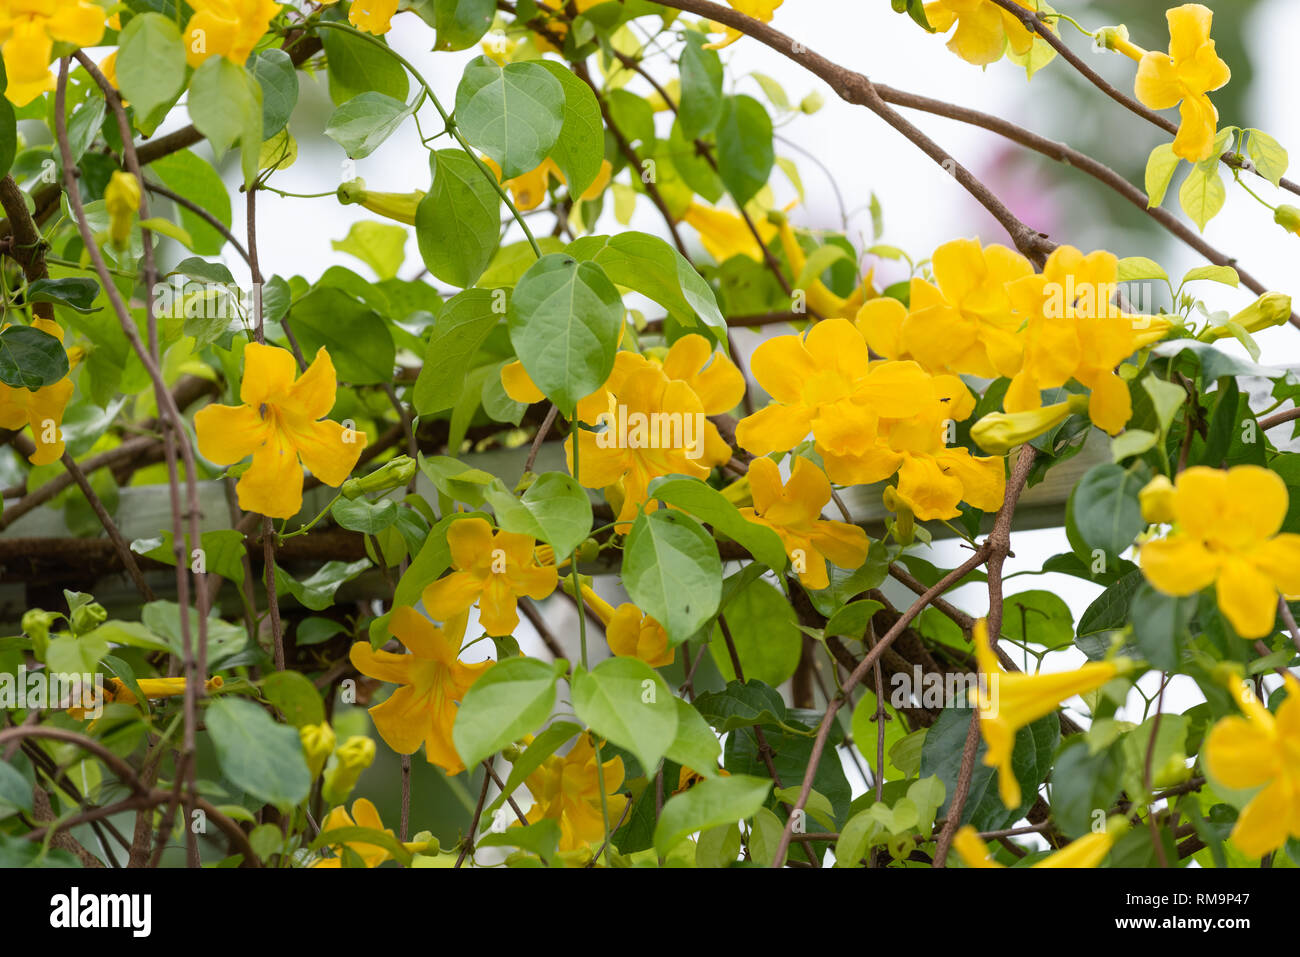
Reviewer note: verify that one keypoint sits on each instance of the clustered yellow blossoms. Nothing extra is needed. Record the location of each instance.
(1225, 533)
(1008, 702)
(1261, 750)
(41, 408)
(1182, 77)
(280, 421)
(567, 789)
(433, 681)
(28, 31)
(228, 28)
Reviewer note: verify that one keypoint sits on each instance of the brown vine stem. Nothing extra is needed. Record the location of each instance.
(998, 545)
(855, 88)
(1035, 24)
(863, 668)
(1278, 418)
(1285, 611)
(149, 358)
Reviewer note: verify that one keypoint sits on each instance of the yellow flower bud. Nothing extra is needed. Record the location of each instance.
(1288, 217)
(397, 206)
(352, 757)
(318, 742)
(1157, 500)
(122, 200)
(811, 103)
(999, 432)
(393, 474)
(1270, 309)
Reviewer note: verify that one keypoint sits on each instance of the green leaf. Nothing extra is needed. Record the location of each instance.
(1160, 170)
(1082, 783)
(713, 802)
(363, 123)
(457, 224)
(359, 515)
(30, 358)
(564, 320)
(742, 705)
(514, 113)
(1224, 274)
(461, 23)
(745, 154)
(512, 699)
(1160, 625)
(317, 591)
(555, 509)
(672, 571)
(1268, 155)
(357, 339)
(627, 702)
(1202, 195)
(542, 838)
(84, 124)
(357, 65)
(188, 175)
(263, 758)
(851, 620)
(700, 108)
(580, 147)
(15, 790)
(459, 331)
(1107, 512)
(1038, 617)
(163, 618)
(695, 745)
(295, 696)
(275, 74)
(225, 103)
(1135, 268)
(381, 246)
(150, 62)
(8, 130)
(1166, 399)
(765, 632)
(1109, 610)
(709, 505)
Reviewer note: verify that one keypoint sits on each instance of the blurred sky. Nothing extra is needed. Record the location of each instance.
(923, 206)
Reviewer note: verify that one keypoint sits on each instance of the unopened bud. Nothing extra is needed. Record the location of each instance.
(1157, 501)
(393, 474)
(999, 432)
(318, 742)
(352, 757)
(1288, 217)
(811, 103)
(397, 206)
(122, 201)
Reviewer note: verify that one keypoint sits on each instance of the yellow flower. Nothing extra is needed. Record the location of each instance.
(1226, 534)
(1073, 331)
(1157, 501)
(351, 758)
(567, 789)
(1186, 73)
(122, 201)
(983, 28)
(373, 16)
(821, 383)
(42, 408)
(964, 322)
(630, 632)
(725, 234)
(1000, 432)
(318, 742)
(433, 681)
(364, 814)
(528, 190)
(1261, 750)
(493, 569)
(1009, 702)
(116, 691)
(793, 511)
(758, 9)
(654, 418)
(280, 421)
(1086, 851)
(28, 31)
(228, 28)
(820, 299)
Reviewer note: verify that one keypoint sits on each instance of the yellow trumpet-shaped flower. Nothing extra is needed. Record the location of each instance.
(825, 383)
(318, 741)
(654, 419)
(1000, 432)
(793, 511)
(228, 28)
(630, 632)
(1010, 701)
(350, 758)
(1261, 750)
(1157, 501)
(41, 408)
(984, 29)
(116, 691)
(281, 421)
(758, 9)
(567, 789)
(1226, 533)
(1074, 331)
(1184, 75)
(492, 569)
(821, 300)
(28, 31)
(364, 814)
(373, 16)
(725, 234)
(1087, 851)
(433, 681)
(527, 190)
(122, 201)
